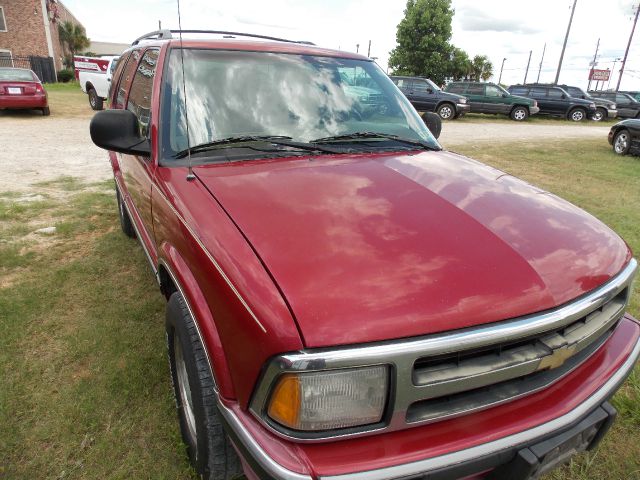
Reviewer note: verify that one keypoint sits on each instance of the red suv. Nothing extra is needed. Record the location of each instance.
(346, 300)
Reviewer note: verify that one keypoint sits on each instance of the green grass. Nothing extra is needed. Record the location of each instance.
(85, 385)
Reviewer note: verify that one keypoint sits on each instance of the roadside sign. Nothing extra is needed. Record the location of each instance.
(599, 75)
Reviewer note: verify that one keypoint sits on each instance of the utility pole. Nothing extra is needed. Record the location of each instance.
(159, 24)
(593, 64)
(564, 45)
(527, 70)
(357, 47)
(500, 79)
(369, 50)
(613, 70)
(541, 60)
(624, 60)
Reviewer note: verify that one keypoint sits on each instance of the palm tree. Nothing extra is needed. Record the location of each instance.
(481, 68)
(74, 37)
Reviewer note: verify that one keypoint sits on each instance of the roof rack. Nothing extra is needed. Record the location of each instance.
(167, 35)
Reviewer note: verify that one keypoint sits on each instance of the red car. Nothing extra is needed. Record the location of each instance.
(346, 300)
(21, 89)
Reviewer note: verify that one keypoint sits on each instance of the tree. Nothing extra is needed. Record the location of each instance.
(460, 65)
(422, 38)
(75, 39)
(481, 68)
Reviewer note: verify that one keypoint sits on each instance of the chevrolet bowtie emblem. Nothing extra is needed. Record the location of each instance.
(557, 358)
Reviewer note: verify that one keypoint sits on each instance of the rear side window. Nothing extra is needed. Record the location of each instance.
(141, 89)
(538, 92)
(519, 90)
(555, 93)
(127, 77)
(475, 90)
(402, 82)
(456, 88)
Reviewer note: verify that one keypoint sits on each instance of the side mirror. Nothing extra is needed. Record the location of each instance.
(433, 123)
(430, 90)
(118, 130)
(504, 95)
(564, 96)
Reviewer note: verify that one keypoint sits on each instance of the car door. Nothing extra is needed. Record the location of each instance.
(423, 95)
(625, 107)
(138, 171)
(540, 94)
(495, 101)
(557, 101)
(475, 97)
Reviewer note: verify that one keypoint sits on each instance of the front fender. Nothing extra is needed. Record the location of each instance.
(179, 273)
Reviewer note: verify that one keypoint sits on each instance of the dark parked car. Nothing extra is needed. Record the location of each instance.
(425, 95)
(556, 101)
(21, 89)
(491, 98)
(625, 137)
(605, 108)
(628, 107)
(346, 300)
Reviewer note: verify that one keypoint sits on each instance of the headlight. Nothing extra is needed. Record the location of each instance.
(326, 400)
(613, 106)
(592, 105)
(462, 100)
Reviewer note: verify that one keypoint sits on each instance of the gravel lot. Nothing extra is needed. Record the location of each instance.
(40, 148)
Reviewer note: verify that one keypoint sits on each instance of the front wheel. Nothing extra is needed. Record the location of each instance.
(577, 114)
(622, 142)
(600, 115)
(94, 100)
(519, 114)
(210, 450)
(446, 111)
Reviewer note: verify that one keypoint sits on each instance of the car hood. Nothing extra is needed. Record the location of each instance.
(450, 96)
(366, 248)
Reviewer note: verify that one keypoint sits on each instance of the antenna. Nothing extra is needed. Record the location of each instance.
(190, 175)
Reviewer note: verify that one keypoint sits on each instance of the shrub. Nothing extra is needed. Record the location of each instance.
(66, 75)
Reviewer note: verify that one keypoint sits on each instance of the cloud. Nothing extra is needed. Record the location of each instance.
(475, 20)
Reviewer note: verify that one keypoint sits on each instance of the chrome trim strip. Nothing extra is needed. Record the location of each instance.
(212, 260)
(403, 354)
(424, 466)
(135, 227)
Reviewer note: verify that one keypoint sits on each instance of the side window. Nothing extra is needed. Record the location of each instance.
(475, 89)
(555, 93)
(538, 92)
(519, 90)
(117, 73)
(420, 86)
(621, 98)
(127, 77)
(493, 91)
(456, 88)
(140, 96)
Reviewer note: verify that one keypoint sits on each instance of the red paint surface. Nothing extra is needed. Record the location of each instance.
(32, 95)
(366, 453)
(374, 247)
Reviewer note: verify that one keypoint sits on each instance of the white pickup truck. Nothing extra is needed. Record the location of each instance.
(94, 75)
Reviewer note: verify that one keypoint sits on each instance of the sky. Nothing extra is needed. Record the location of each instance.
(496, 28)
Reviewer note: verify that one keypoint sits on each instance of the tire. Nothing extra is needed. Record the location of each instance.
(577, 114)
(125, 221)
(601, 114)
(46, 112)
(433, 123)
(622, 142)
(95, 101)
(210, 450)
(519, 114)
(446, 111)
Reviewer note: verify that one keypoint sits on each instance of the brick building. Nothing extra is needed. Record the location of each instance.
(30, 28)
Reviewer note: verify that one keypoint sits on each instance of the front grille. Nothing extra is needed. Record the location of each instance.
(469, 380)
(454, 373)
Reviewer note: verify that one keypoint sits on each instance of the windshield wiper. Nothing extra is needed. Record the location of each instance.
(373, 135)
(272, 139)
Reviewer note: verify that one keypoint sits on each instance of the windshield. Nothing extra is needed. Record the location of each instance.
(16, 75)
(302, 97)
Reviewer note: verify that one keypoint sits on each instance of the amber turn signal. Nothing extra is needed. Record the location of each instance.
(284, 407)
